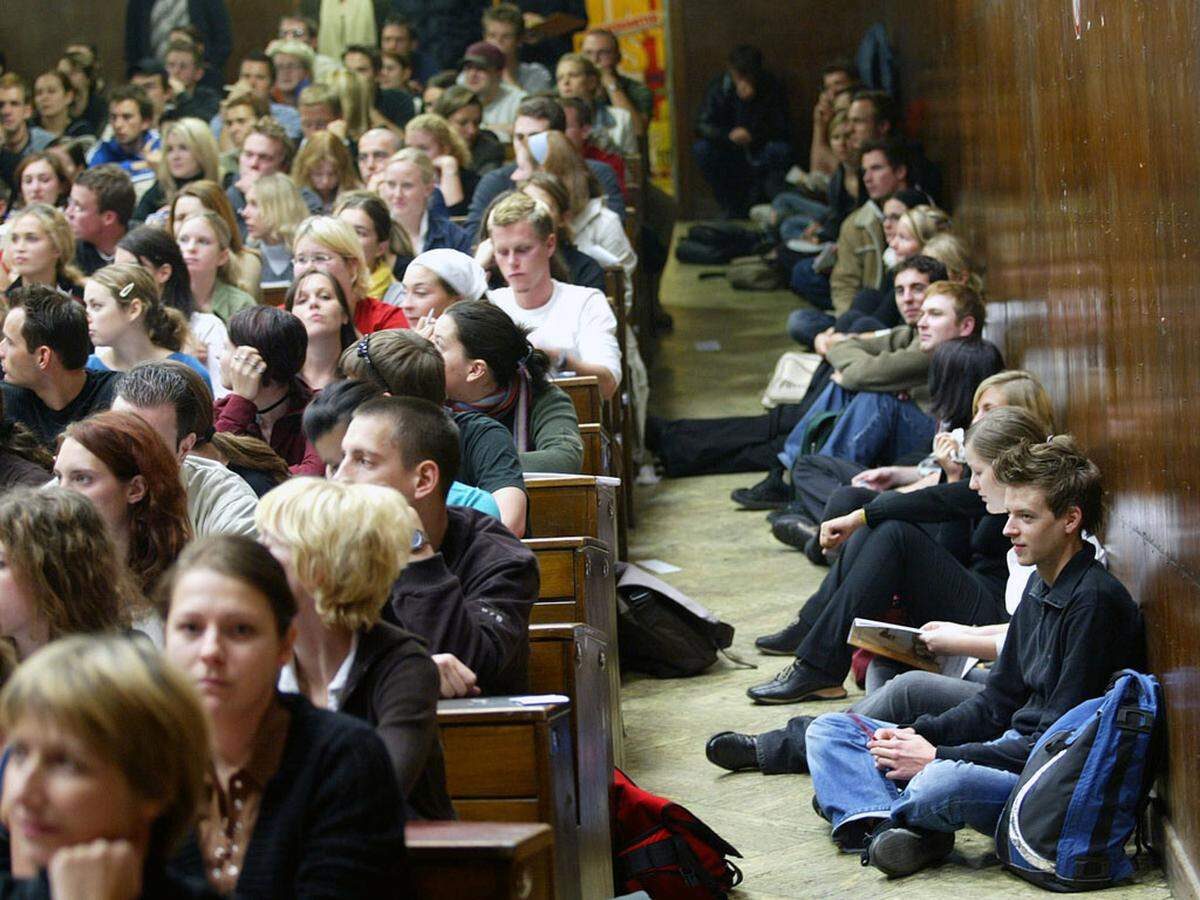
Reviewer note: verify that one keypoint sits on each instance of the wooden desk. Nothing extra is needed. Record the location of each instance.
(508, 762)
(274, 293)
(481, 860)
(572, 506)
(574, 660)
(584, 391)
(597, 449)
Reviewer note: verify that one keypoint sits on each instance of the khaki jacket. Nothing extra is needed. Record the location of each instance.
(859, 265)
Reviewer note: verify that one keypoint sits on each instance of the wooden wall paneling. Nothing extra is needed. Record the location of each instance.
(1075, 180)
(1071, 164)
(797, 39)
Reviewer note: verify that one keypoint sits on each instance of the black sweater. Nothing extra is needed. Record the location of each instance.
(954, 506)
(1063, 644)
(473, 598)
(765, 115)
(331, 823)
(393, 685)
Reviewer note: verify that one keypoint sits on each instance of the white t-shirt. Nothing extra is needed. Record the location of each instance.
(575, 318)
(501, 113)
(210, 331)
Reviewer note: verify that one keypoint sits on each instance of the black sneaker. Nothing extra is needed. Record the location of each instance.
(816, 556)
(855, 836)
(783, 642)
(897, 851)
(796, 683)
(794, 508)
(794, 531)
(770, 493)
(733, 751)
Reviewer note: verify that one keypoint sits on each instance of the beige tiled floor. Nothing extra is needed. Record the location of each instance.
(731, 564)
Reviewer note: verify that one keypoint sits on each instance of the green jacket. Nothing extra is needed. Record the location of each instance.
(859, 265)
(227, 300)
(889, 363)
(554, 431)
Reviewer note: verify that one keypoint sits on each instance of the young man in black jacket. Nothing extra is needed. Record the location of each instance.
(469, 586)
(743, 144)
(910, 788)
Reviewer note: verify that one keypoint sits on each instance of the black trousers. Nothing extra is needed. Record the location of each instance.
(876, 564)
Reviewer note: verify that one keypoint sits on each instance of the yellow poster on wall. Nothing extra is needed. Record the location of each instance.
(639, 27)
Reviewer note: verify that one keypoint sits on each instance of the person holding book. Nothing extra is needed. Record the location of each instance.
(957, 572)
(899, 793)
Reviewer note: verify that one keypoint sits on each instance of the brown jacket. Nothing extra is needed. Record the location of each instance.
(859, 265)
(889, 363)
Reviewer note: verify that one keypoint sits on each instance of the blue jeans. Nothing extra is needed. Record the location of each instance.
(834, 398)
(879, 428)
(795, 212)
(944, 796)
(812, 286)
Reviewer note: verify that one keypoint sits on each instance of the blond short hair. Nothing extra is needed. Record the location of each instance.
(339, 238)
(348, 543)
(123, 700)
(281, 205)
(518, 207)
(58, 230)
(441, 131)
(418, 158)
(199, 139)
(1021, 389)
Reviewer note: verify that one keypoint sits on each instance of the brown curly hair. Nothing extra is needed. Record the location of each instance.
(56, 543)
(159, 527)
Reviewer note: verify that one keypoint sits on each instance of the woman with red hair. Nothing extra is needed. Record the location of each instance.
(121, 464)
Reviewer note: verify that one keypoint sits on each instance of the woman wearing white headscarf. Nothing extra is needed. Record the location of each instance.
(434, 280)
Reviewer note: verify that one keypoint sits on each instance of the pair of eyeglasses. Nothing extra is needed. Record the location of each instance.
(299, 33)
(316, 259)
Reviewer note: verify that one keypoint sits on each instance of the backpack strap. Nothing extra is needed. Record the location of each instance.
(665, 854)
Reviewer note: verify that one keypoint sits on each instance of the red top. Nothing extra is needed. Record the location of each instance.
(372, 315)
(236, 415)
(615, 160)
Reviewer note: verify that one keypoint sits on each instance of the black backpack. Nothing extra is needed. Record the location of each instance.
(663, 632)
(715, 243)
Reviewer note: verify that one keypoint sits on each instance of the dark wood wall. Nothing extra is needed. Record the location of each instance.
(1073, 161)
(102, 23)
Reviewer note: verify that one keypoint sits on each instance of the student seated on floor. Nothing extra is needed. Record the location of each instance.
(751, 443)
(888, 789)
(470, 584)
(341, 545)
(881, 380)
(816, 501)
(956, 370)
(957, 575)
(782, 750)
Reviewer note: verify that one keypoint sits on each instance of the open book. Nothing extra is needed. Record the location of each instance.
(900, 642)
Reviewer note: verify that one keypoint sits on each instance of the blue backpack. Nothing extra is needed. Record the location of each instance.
(1084, 789)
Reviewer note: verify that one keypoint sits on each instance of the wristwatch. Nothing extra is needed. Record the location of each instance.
(418, 540)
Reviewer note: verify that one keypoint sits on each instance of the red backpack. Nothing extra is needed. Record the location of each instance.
(661, 848)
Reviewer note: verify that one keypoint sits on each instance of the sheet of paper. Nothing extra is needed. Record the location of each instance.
(539, 699)
(657, 566)
(708, 346)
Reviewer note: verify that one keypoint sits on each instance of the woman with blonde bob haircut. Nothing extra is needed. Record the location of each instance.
(324, 166)
(330, 245)
(450, 156)
(189, 154)
(952, 252)
(131, 731)
(41, 250)
(407, 187)
(274, 210)
(342, 547)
